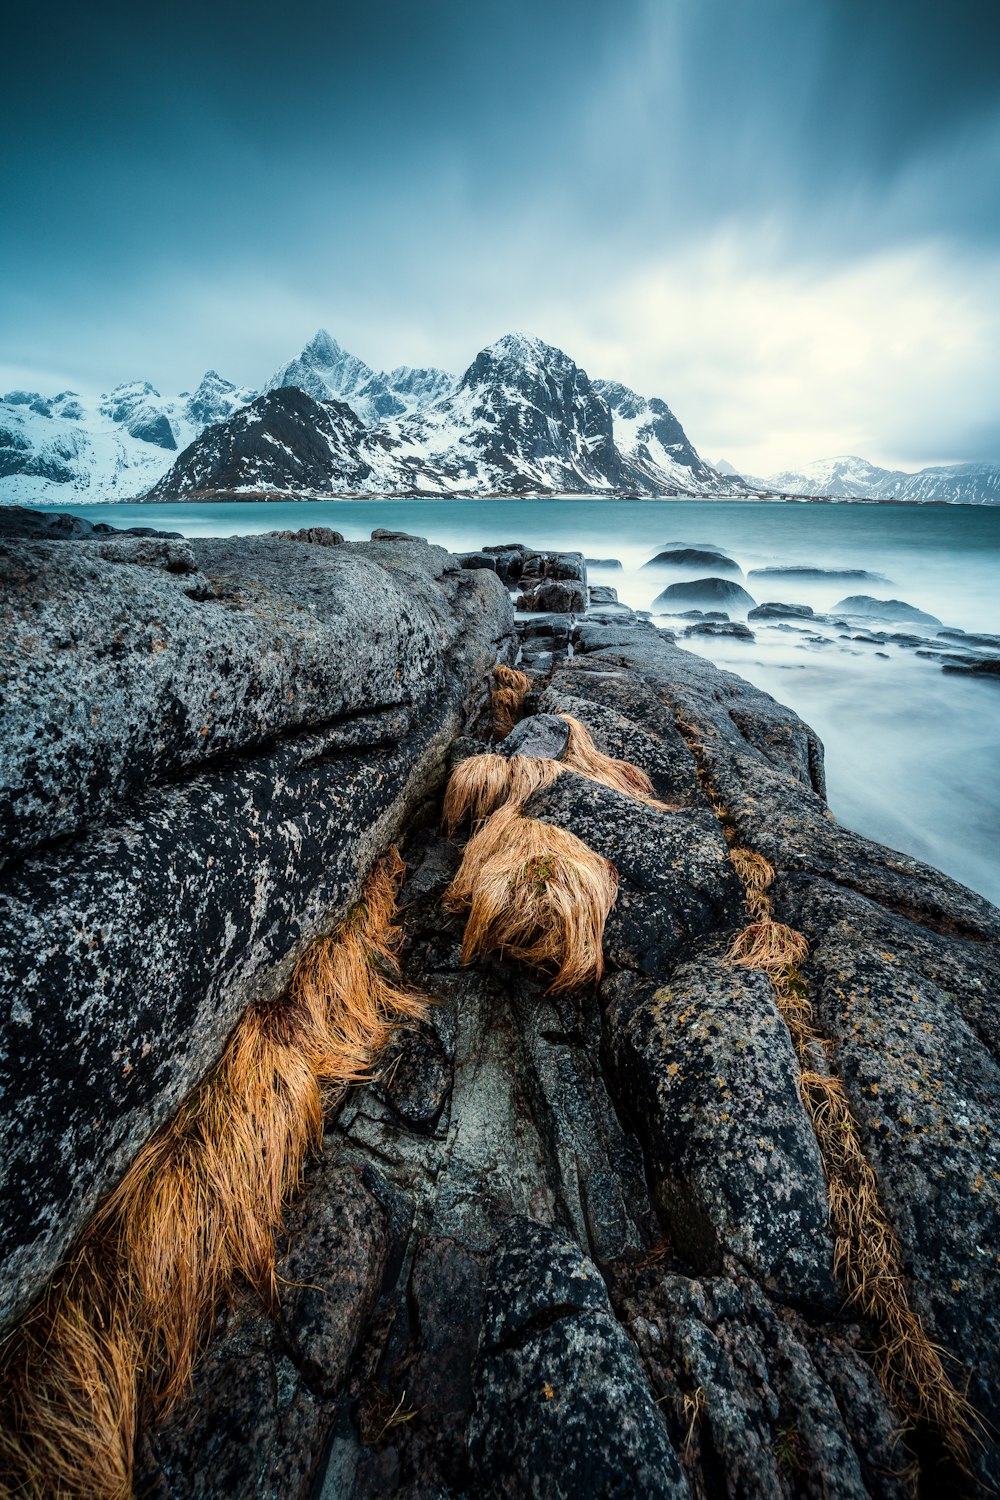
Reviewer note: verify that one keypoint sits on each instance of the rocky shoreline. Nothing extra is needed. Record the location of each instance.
(583, 1244)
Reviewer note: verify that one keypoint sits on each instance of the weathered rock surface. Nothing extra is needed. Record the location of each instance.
(198, 769)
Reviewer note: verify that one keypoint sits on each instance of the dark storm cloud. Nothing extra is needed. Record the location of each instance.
(194, 185)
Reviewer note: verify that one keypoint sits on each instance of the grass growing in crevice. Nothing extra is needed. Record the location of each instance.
(534, 892)
(482, 784)
(510, 688)
(199, 1207)
(537, 894)
(866, 1252)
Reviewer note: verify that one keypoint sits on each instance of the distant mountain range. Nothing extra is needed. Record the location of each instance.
(523, 419)
(851, 478)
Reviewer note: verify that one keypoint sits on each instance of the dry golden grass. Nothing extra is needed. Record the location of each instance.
(582, 755)
(68, 1412)
(768, 945)
(200, 1205)
(480, 785)
(510, 689)
(538, 895)
(867, 1255)
(756, 875)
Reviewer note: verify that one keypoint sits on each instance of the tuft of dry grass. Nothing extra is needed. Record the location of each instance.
(768, 945)
(67, 1422)
(480, 785)
(867, 1254)
(582, 755)
(510, 689)
(537, 894)
(200, 1205)
(756, 876)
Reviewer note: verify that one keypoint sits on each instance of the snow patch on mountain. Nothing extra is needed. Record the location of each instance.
(327, 372)
(62, 447)
(655, 445)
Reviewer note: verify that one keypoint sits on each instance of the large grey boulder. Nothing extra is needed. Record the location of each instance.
(198, 770)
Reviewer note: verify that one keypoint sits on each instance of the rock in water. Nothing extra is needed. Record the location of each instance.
(710, 591)
(868, 608)
(695, 557)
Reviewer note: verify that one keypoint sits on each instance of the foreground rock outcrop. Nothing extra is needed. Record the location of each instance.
(205, 747)
(562, 1244)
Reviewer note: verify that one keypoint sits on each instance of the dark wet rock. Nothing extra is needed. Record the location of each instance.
(707, 1062)
(537, 662)
(380, 534)
(566, 566)
(476, 560)
(574, 1244)
(216, 776)
(415, 1077)
(792, 574)
(734, 628)
(602, 593)
(673, 885)
(763, 1404)
(884, 609)
(695, 557)
(914, 1035)
(988, 642)
(251, 1426)
(772, 611)
(702, 614)
(983, 666)
(539, 736)
(332, 1273)
(710, 591)
(602, 562)
(562, 1406)
(555, 596)
(316, 536)
(18, 523)
(609, 614)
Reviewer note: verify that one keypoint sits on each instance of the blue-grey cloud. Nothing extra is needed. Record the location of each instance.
(201, 185)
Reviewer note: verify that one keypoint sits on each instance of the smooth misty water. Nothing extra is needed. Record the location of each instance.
(912, 752)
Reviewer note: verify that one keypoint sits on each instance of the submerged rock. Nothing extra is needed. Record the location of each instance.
(773, 611)
(883, 609)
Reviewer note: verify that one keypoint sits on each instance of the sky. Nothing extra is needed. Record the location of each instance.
(781, 216)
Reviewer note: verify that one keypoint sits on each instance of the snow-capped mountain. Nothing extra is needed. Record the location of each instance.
(62, 447)
(284, 442)
(327, 372)
(852, 478)
(524, 419)
(653, 442)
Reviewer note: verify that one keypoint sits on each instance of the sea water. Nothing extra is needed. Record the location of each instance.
(911, 751)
